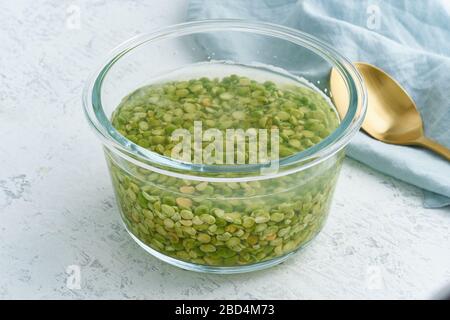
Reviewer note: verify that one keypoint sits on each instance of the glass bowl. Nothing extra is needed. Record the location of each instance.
(234, 218)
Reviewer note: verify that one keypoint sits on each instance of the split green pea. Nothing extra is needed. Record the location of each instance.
(224, 223)
(151, 114)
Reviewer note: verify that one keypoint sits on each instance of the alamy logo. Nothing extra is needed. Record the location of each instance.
(73, 281)
(236, 146)
(374, 17)
(374, 278)
(73, 18)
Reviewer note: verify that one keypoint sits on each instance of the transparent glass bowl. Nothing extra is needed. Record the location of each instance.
(234, 218)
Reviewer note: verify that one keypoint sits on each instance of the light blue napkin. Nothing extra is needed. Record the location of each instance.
(408, 39)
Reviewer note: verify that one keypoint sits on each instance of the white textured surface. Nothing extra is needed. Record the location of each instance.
(57, 207)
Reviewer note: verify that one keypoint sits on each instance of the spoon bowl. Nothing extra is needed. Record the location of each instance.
(392, 116)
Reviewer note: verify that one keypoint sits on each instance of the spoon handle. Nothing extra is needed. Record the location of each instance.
(434, 146)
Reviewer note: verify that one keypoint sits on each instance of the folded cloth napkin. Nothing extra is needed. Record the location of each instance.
(408, 39)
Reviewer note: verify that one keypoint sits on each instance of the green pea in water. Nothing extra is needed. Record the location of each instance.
(224, 223)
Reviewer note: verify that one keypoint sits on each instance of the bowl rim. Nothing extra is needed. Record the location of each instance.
(148, 159)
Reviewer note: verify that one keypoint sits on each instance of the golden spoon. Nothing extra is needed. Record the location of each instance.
(392, 116)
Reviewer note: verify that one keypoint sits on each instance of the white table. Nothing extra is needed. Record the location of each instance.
(57, 208)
